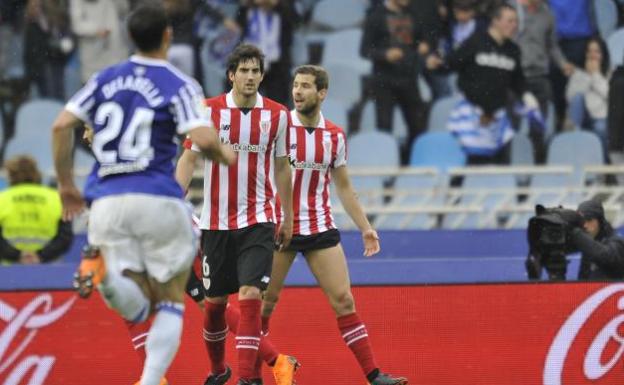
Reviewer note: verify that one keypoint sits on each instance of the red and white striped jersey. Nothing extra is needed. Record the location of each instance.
(313, 152)
(243, 194)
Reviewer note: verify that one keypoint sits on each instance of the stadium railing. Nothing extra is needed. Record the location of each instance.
(495, 207)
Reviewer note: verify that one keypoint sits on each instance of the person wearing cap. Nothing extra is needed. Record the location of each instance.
(601, 247)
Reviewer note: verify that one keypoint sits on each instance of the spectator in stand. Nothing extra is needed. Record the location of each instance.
(489, 69)
(181, 52)
(11, 21)
(588, 90)
(48, 43)
(538, 43)
(391, 41)
(575, 26)
(31, 228)
(429, 19)
(269, 25)
(464, 23)
(486, 8)
(216, 36)
(101, 40)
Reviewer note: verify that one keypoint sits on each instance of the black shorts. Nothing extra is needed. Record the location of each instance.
(324, 240)
(236, 258)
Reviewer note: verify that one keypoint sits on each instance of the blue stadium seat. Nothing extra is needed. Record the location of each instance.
(83, 163)
(615, 43)
(485, 191)
(368, 120)
(336, 111)
(345, 84)
(368, 117)
(343, 47)
(360, 147)
(439, 149)
(383, 146)
(33, 134)
(333, 15)
(413, 190)
(299, 50)
(577, 148)
(522, 151)
(606, 17)
(440, 112)
(72, 79)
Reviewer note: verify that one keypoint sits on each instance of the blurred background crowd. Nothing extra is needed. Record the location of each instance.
(423, 83)
(50, 47)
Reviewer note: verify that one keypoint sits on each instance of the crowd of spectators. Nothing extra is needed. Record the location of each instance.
(531, 53)
(527, 55)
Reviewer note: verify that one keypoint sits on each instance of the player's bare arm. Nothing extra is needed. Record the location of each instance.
(351, 204)
(207, 140)
(62, 147)
(186, 167)
(283, 180)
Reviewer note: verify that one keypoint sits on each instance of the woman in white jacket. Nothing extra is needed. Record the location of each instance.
(588, 90)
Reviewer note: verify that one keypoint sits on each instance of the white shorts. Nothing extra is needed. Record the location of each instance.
(144, 233)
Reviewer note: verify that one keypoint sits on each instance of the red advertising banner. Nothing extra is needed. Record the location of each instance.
(550, 334)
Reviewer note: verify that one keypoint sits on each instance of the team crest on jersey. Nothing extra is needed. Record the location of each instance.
(265, 127)
(225, 127)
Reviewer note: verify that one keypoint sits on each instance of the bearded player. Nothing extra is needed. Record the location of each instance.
(318, 154)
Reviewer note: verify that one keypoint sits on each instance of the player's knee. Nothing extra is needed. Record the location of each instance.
(249, 292)
(343, 303)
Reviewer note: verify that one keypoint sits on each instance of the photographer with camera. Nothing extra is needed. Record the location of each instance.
(601, 247)
(554, 233)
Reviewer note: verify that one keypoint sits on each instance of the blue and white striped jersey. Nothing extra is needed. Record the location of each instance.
(136, 109)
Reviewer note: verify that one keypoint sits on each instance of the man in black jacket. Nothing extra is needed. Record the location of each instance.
(391, 40)
(602, 249)
(490, 76)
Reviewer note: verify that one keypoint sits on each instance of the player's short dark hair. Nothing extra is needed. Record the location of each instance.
(242, 53)
(498, 11)
(321, 77)
(146, 25)
(22, 169)
(465, 5)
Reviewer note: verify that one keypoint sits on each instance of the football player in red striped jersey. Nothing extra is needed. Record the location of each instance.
(318, 155)
(238, 217)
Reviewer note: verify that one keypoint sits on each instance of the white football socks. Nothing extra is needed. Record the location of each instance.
(162, 342)
(125, 296)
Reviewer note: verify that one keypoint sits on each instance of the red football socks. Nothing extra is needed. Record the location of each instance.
(354, 334)
(215, 331)
(248, 337)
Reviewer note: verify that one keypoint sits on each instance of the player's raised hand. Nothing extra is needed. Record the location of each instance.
(371, 242)
(72, 200)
